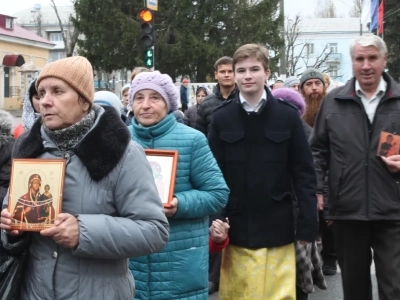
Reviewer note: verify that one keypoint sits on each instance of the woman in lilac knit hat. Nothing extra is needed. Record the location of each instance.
(296, 100)
(180, 269)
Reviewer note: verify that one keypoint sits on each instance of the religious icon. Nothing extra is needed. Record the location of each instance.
(32, 205)
(389, 144)
(163, 164)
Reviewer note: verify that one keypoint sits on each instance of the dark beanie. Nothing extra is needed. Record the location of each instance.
(311, 74)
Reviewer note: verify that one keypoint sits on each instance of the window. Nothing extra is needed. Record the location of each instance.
(55, 37)
(310, 48)
(333, 70)
(55, 55)
(9, 23)
(333, 48)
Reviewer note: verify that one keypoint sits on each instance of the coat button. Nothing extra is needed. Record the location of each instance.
(54, 255)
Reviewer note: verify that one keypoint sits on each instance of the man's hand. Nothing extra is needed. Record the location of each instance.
(6, 222)
(65, 232)
(219, 230)
(392, 162)
(320, 202)
(171, 210)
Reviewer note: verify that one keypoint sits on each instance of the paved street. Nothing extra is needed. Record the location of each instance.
(334, 291)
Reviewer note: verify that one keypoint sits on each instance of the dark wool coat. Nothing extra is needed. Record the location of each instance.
(345, 143)
(264, 156)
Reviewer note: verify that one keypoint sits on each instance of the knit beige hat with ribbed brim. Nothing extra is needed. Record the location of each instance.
(76, 71)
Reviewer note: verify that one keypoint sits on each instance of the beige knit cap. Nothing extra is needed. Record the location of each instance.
(76, 71)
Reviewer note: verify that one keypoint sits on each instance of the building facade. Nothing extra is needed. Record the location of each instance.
(22, 54)
(43, 21)
(324, 43)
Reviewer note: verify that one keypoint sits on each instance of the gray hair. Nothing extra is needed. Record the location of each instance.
(370, 40)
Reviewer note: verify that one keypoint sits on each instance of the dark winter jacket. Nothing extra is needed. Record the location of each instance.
(184, 96)
(207, 107)
(6, 145)
(360, 186)
(264, 156)
(128, 116)
(191, 115)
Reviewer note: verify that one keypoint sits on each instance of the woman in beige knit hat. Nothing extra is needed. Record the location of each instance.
(111, 209)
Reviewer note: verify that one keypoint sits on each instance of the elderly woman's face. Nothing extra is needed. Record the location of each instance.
(149, 107)
(60, 106)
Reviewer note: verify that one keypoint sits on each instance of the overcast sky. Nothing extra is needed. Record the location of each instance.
(292, 7)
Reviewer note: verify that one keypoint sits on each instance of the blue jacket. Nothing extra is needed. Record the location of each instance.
(180, 270)
(184, 94)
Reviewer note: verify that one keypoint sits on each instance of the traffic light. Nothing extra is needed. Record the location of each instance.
(149, 58)
(146, 16)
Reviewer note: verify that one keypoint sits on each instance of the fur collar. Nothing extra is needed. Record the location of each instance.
(100, 150)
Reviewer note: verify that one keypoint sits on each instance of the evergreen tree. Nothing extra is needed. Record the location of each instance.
(190, 35)
(111, 33)
(392, 36)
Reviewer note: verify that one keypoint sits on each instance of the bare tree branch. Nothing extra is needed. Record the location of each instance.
(355, 11)
(291, 35)
(72, 37)
(61, 25)
(327, 9)
(38, 20)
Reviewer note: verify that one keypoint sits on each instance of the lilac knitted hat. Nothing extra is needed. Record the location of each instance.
(161, 83)
(291, 96)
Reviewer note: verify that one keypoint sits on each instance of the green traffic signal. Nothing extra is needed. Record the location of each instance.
(149, 58)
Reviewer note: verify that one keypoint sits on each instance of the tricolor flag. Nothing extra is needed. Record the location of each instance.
(366, 13)
(374, 14)
(381, 12)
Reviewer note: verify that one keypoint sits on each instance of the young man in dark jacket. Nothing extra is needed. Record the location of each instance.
(363, 193)
(261, 148)
(224, 90)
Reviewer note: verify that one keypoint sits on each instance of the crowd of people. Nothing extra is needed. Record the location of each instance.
(264, 175)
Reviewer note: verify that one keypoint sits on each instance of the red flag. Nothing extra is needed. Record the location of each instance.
(381, 11)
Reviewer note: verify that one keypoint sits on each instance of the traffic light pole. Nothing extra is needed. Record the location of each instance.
(154, 59)
(148, 37)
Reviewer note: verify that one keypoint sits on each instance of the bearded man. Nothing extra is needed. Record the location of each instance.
(313, 89)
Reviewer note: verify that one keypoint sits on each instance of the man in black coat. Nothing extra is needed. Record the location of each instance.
(363, 192)
(261, 148)
(223, 91)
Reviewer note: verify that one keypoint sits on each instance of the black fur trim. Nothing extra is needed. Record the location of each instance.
(29, 144)
(100, 150)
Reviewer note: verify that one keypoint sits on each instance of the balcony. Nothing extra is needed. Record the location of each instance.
(334, 57)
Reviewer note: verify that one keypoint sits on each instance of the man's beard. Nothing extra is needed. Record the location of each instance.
(313, 104)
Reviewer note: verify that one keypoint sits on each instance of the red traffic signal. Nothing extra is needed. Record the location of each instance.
(147, 35)
(146, 15)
